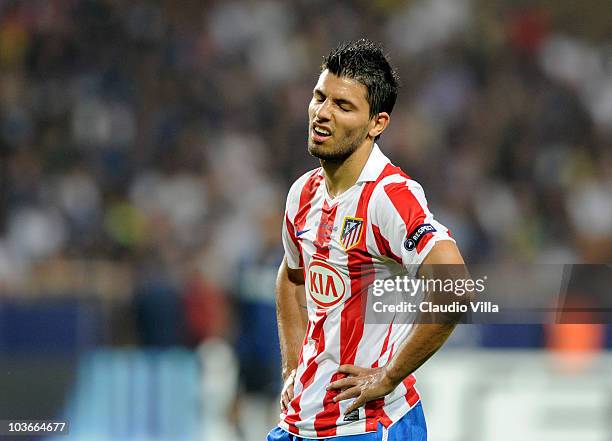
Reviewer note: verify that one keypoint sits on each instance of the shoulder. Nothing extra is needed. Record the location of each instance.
(394, 187)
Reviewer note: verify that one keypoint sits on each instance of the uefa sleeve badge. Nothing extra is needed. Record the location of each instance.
(418, 233)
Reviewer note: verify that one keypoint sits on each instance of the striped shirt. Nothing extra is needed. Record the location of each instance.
(379, 228)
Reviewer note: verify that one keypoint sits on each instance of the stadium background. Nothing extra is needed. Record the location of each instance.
(145, 151)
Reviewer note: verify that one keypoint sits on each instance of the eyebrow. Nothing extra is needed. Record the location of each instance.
(339, 101)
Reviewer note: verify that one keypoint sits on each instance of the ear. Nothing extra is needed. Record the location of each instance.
(378, 124)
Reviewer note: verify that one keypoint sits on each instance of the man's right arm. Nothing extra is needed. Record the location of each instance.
(292, 318)
(291, 315)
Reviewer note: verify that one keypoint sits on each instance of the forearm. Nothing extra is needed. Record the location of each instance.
(291, 319)
(423, 341)
(430, 331)
(291, 329)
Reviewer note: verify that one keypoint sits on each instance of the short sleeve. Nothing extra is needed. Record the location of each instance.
(290, 244)
(405, 227)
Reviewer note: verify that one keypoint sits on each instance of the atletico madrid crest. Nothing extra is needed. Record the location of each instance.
(352, 228)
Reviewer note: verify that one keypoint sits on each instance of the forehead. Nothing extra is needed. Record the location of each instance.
(342, 87)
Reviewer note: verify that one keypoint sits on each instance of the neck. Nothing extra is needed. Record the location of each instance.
(342, 175)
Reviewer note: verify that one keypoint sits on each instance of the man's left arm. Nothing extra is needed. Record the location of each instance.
(366, 384)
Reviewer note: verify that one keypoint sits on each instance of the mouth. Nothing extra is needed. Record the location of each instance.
(319, 133)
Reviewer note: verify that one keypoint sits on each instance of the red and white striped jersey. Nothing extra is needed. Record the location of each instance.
(379, 228)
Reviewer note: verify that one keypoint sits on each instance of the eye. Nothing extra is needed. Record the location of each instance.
(345, 108)
(318, 96)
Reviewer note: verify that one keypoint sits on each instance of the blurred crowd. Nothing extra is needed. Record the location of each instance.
(163, 136)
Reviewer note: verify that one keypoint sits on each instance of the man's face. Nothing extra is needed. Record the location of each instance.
(338, 116)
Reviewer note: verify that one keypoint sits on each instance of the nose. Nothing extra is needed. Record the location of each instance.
(323, 111)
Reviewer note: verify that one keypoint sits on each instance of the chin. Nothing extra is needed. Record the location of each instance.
(315, 150)
(327, 154)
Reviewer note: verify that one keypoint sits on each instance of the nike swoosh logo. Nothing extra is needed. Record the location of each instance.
(299, 233)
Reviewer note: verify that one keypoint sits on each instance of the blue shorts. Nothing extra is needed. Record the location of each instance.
(411, 427)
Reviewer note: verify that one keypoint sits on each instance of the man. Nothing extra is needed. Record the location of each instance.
(355, 219)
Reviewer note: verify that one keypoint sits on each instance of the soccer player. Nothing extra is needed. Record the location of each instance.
(355, 219)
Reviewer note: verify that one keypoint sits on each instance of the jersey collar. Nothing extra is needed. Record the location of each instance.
(374, 165)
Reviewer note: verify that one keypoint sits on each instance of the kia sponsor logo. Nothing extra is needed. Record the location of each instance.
(325, 284)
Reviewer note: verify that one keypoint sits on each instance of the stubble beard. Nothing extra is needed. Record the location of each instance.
(337, 153)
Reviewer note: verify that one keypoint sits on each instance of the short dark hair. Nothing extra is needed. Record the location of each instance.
(365, 61)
